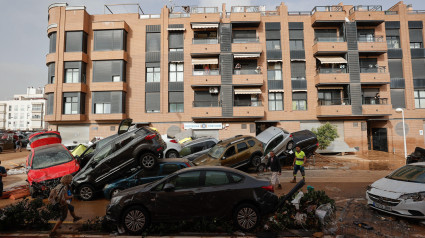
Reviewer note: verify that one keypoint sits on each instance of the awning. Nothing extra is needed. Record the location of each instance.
(274, 60)
(299, 90)
(247, 91)
(203, 25)
(276, 91)
(322, 88)
(332, 60)
(298, 60)
(201, 61)
(176, 29)
(176, 61)
(253, 55)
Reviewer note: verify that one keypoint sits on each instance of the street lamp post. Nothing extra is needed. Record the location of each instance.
(398, 110)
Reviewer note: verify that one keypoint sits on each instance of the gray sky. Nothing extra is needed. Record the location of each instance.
(24, 44)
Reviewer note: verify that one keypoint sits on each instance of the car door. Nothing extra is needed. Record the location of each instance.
(273, 145)
(120, 161)
(229, 157)
(181, 203)
(243, 154)
(147, 176)
(101, 165)
(124, 126)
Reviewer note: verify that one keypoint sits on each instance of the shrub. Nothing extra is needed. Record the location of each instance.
(325, 133)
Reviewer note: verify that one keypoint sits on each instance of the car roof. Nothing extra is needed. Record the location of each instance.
(418, 163)
(269, 133)
(234, 139)
(202, 139)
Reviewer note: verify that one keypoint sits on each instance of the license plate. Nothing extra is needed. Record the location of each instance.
(383, 207)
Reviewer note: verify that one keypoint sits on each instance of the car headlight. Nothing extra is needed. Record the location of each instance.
(115, 200)
(417, 197)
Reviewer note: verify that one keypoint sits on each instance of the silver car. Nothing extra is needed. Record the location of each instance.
(274, 139)
(173, 147)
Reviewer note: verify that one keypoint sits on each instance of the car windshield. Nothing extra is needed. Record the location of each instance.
(50, 156)
(409, 173)
(216, 152)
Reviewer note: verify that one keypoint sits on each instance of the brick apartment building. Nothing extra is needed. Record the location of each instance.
(237, 72)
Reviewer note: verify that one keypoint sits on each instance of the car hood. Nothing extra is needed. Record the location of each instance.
(192, 157)
(39, 175)
(206, 160)
(394, 189)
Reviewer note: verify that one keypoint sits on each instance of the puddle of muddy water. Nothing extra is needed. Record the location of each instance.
(378, 160)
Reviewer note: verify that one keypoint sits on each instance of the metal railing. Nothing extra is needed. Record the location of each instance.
(206, 104)
(323, 70)
(416, 12)
(204, 41)
(374, 101)
(245, 9)
(204, 10)
(200, 72)
(179, 15)
(370, 39)
(246, 40)
(270, 13)
(331, 102)
(334, 8)
(299, 13)
(374, 69)
(365, 8)
(391, 12)
(246, 71)
(329, 39)
(240, 103)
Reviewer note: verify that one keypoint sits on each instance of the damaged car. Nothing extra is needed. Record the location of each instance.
(191, 193)
(401, 193)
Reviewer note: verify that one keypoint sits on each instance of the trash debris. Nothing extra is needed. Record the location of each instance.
(296, 201)
(362, 225)
(300, 218)
(318, 234)
(324, 212)
(16, 171)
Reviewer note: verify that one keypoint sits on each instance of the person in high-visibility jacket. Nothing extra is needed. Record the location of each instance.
(298, 164)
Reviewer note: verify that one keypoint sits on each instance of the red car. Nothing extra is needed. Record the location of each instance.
(48, 161)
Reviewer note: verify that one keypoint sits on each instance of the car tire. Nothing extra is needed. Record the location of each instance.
(148, 160)
(172, 154)
(115, 191)
(246, 217)
(290, 145)
(135, 220)
(255, 161)
(86, 192)
(261, 168)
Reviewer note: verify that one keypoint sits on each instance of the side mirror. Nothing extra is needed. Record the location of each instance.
(169, 187)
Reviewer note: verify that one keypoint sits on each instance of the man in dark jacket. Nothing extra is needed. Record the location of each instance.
(273, 164)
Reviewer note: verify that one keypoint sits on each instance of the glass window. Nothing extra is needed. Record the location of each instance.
(273, 44)
(51, 73)
(299, 101)
(153, 74)
(152, 102)
(176, 107)
(170, 168)
(76, 41)
(215, 178)
(52, 42)
(109, 71)
(274, 71)
(251, 143)
(148, 173)
(236, 178)
(102, 108)
(186, 180)
(103, 153)
(273, 144)
(415, 45)
(410, 173)
(393, 42)
(242, 146)
(419, 98)
(109, 40)
(70, 105)
(176, 72)
(230, 151)
(72, 75)
(153, 42)
(296, 44)
(275, 101)
(50, 156)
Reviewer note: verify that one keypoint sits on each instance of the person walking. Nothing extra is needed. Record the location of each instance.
(63, 197)
(298, 163)
(238, 68)
(3, 173)
(274, 164)
(18, 144)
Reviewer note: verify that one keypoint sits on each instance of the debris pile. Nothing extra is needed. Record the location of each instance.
(16, 192)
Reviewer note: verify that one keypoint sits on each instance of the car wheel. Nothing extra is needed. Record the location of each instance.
(261, 168)
(86, 192)
(256, 161)
(148, 161)
(246, 217)
(135, 220)
(290, 145)
(172, 154)
(115, 192)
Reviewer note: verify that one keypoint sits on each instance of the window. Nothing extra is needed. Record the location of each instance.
(102, 108)
(415, 45)
(243, 36)
(398, 98)
(299, 101)
(251, 143)
(51, 73)
(103, 153)
(52, 42)
(393, 42)
(153, 74)
(229, 152)
(366, 35)
(186, 180)
(176, 72)
(276, 141)
(205, 99)
(329, 97)
(169, 168)
(153, 42)
(419, 98)
(275, 101)
(76, 41)
(70, 104)
(153, 102)
(109, 40)
(215, 178)
(175, 41)
(236, 178)
(108, 102)
(176, 107)
(10, 107)
(274, 71)
(205, 37)
(242, 146)
(109, 71)
(296, 44)
(368, 65)
(49, 103)
(71, 75)
(273, 44)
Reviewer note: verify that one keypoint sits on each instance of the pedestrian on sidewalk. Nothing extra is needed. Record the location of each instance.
(62, 193)
(3, 173)
(273, 164)
(18, 144)
(298, 163)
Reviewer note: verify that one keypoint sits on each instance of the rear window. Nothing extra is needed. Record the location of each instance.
(51, 156)
(170, 168)
(409, 173)
(251, 143)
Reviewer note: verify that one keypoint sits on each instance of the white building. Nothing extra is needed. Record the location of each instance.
(25, 112)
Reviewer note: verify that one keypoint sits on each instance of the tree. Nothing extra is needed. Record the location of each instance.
(325, 133)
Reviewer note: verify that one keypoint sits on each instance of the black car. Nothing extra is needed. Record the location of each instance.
(137, 147)
(198, 147)
(207, 191)
(306, 140)
(417, 156)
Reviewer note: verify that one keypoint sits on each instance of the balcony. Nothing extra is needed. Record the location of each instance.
(74, 87)
(249, 111)
(205, 46)
(73, 117)
(108, 117)
(244, 45)
(246, 72)
(109, 55)
(240, 14)
(329, 44)
(337, 107)
(327, 14)
(371, 14)
(206, 109)
(204, 14)
(75, 56)
(374, 75)
(199, 41)
(371, 107)
(252, 79)
(108, 86)
(333, 77)
(375, 44)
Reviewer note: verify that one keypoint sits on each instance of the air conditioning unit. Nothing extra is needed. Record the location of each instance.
(213, 90)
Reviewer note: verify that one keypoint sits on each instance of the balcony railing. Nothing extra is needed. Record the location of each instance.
(246, 71)
(238, 103)
(331, 102)
(245, 9)
(329, 39)
(299, 13)
(365, 8)
(379, 69)
(198, 72)
(204, 41)
(270, 13)
(323, 70)
(416, 12)
(391, 12)
(206, 104)
(246, 40)
(373, 101)
(327, 9)
(179, 15)
(370, 39)
(204, 10)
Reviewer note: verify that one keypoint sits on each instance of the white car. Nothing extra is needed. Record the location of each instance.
(173, 147)
(402, 193)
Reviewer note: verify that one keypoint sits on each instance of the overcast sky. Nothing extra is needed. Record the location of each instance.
(24, 25)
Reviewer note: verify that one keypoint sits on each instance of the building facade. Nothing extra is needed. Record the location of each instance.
(25, 112)
(239, 72)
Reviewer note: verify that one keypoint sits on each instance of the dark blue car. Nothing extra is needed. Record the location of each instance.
(164, 168)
